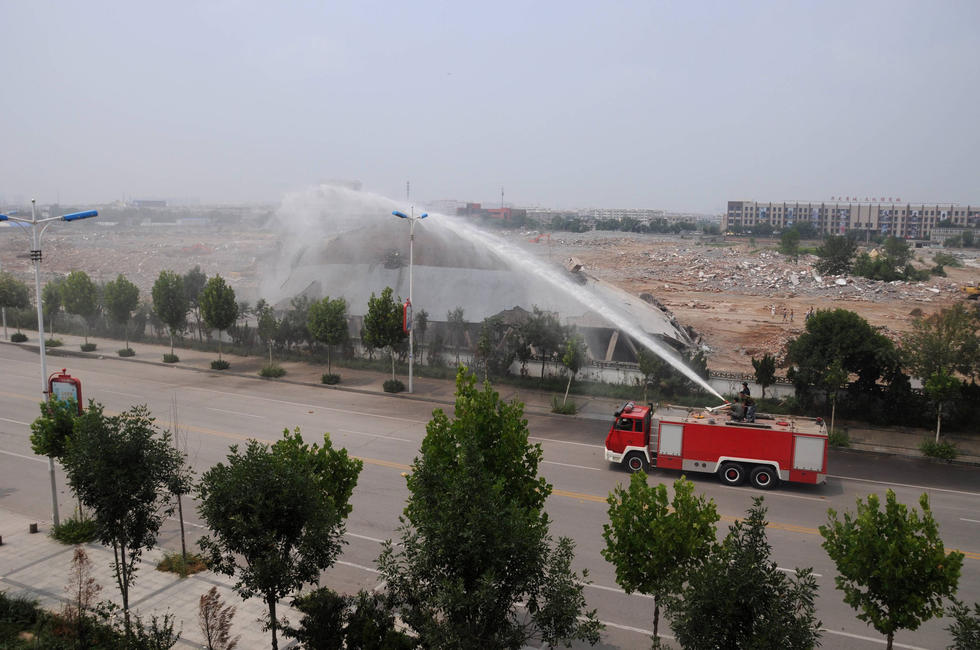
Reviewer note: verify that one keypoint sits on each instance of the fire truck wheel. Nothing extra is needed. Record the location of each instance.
(764, 477)
(732, 474)
(635, 462)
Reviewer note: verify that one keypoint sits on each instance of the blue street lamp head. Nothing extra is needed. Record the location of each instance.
(3, 217)
(75, 216)
(400, 215)
(424, 215)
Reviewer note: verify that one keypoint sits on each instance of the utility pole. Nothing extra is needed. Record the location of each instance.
(408, 186)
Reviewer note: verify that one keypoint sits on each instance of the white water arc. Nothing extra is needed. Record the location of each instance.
(520, 258)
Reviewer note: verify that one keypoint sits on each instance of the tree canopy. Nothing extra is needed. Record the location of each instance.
(121, 298)
(276, 515)
(327, 322)
(652, 541)
(765, 371)
(218, 306)
(14, 294)
(836, 255)
(193, 283)
(80, 297)
(891, 563)
(170, 302)
(476, 566)
(383, 326)
(121, 468)
(737, 597)
(789, 243)
(943, 341)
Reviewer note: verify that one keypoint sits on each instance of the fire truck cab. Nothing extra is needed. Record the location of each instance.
(764, 452)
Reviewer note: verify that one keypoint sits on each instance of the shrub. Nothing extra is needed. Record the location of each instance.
(220, 364)
(170, 358)
(838, 438)
(75, 530)
(53, 343)
(127, 352)
(942, 450)
(330, 378)
(393, 386)
(87, 347)
(18, 610)
(272, 371)
(182, 566)
(568, 408)
(945, 259)
(18, 337)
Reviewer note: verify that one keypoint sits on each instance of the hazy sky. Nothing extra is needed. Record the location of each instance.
(679, 105)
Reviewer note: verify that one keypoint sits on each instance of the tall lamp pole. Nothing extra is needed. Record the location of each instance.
(411, 262)
(36, 235)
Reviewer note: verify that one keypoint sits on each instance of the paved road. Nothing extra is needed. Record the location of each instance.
(217, 410)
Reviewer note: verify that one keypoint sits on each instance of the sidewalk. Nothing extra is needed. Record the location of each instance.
(36, 566)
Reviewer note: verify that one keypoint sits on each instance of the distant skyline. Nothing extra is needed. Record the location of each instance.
(676, 106)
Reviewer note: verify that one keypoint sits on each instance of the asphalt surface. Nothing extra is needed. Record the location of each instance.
(216, 410)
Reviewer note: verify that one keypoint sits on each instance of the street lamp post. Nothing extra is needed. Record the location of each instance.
(36, 235)
(411, 262)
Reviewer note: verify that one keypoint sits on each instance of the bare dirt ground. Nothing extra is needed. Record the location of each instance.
(727, 291)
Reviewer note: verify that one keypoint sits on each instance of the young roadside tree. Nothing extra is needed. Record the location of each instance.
(574, 358)
(765, 371)
(214, 619)
(193, 282)
(268, 325)
(545, 334)
(13, 294)
(892, 566)
(456, 325)
(834, 379)
(383, 324)
(81, 297)
(121, 298)
(277, 515)
(476, 566)
(653, 542)
(737, 597)
(218, 307)
(52, 428)
(836, 255)
(651, 366)
(51, 302)
(170, 303)
(965, 628)
(328, 323)
(941, 387)
(120, 467)
(421, 326)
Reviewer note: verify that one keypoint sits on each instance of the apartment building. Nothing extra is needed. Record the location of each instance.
(886, 217)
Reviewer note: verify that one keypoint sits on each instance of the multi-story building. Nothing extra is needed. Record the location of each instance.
(886, 217)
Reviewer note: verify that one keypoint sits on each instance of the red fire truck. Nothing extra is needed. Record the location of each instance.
(769, 450)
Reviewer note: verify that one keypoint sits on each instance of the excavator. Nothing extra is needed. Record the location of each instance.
(972, 291)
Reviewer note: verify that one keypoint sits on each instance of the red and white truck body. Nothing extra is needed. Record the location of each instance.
(769, 450)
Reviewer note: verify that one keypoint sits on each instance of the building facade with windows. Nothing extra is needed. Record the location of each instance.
(885, 217)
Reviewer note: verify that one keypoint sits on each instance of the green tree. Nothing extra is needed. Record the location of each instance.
(965, 628)
(476, 566)
(456, 326)
(170, 303)
(946, 341)
(328, 323)
(51, 302)
(545, 334)
(836, 255)
(421, 327)
(941, 387)
(839, 335)
(574, 358)
(218, 307)
(50, 430)
(193, 282)
(651, 366)
(81, 297)
(268, 325)
(833, 380)
(121, 298)
(383, 327)
(121, 467)
(892, 566)
(738, 598)
(277, 515)
(654, 542)
(765, 371)
(789, 243)
(13, 293)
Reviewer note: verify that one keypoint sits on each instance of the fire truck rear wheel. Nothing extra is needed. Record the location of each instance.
(732, 474)
(635, 462)
(763, 477)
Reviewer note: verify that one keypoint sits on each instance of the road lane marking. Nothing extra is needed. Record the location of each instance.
(793, 571)
(247, 415)
(578, 495)
(972, 521)
(357, 566)
(310, 406)
(26, 424)
(871, 639)
(615, 590)
(34, 458)
(116, 392)
(591, 469)
(370, 539)
(373, 435)
(567, 442)
(905, 485)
